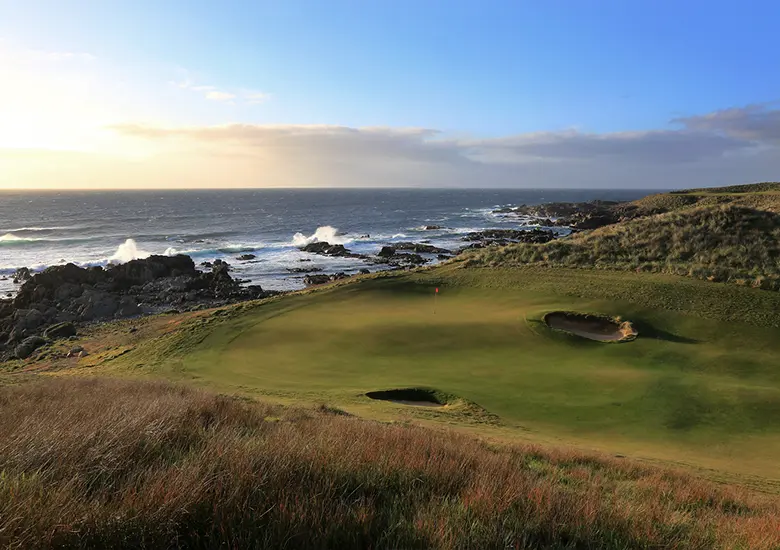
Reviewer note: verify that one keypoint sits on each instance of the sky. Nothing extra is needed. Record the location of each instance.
(354, 93)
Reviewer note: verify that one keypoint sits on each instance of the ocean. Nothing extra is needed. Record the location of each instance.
(45, 228)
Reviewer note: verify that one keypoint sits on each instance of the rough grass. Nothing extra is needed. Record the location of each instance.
(721, 243)
(103, 463)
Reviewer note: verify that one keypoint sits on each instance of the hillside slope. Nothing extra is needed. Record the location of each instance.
(759, 196)
(718, 243)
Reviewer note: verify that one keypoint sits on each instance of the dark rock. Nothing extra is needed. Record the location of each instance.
(328, 249)
(310, 280)
(506, 236)
(386, 252)
(27, 319)
(443, 257)
(432, 227)
(28, 346)
(364, 271)
(21, 275)
(339, 276)
(60, 330)
(311, 269)
(132, 330)
(245, 257)
(421, 248)
(74, 351)
(411, 259)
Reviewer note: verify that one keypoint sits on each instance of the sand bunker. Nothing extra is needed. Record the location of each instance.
(593, 327)
(410, 396)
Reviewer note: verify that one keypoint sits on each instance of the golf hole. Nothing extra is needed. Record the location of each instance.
(410, 396)
(593, 327)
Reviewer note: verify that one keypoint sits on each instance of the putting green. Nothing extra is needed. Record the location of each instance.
(701, 383)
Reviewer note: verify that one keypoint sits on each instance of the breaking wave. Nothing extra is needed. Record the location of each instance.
(324, 234)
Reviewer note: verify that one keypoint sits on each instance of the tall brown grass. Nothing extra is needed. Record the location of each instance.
(106, 463)
(716, 243)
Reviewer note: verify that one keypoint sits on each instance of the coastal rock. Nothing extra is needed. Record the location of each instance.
(21, 275)
(420, 248)
(246, 257)
(386, 252)
(409, 259)
(28, 346)
(364, 271)
(60, 330)
(432, 227)
(327, 249)
(72, 294)
(579, 215)
(312, 269)
(310, 280)
(507, 236)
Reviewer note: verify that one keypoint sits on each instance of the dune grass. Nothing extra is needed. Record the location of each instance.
(126, 464)
(717, 243)
(699, 385)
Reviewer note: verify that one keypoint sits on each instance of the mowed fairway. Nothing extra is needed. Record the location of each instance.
(700, 385)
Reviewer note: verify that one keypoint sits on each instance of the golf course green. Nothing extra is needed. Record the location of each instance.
(700, 385)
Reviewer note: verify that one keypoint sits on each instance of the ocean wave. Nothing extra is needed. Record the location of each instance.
(52, 228)
(12, 239)
(324, 234)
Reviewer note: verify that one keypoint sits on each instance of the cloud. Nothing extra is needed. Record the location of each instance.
(332, 155)
(212, 93)
(753, 122)
(255, 98)
(220, 96)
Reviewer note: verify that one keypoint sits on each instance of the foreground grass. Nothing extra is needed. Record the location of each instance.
(105, 463)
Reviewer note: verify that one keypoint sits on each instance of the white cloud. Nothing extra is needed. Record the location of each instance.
(213, 93)
(255, 98)
(219, 96)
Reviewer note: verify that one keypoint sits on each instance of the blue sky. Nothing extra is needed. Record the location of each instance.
(469, 70)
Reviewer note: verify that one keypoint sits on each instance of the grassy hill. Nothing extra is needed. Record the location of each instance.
(110, 464)
(717, 243)
(758, 196)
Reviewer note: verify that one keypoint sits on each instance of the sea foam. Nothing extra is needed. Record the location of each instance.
(324, 234)
(127, 251)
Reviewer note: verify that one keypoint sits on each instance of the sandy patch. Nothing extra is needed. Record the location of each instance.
(593, 327)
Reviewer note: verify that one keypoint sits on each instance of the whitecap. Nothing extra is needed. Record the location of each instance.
(324, 234)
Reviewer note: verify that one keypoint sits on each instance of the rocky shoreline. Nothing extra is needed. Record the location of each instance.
(52, 304)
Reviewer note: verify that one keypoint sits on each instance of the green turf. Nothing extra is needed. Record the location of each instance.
(701, 382)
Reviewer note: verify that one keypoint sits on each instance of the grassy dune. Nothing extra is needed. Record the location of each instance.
(717, 243)
(104, 463)
(700, 385)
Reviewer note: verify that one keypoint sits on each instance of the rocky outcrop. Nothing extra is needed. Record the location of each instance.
(28, 346)
(245, 257)
(327, 249)
(420, 248)
(60, 330)
(319, 279)
(508, 236)
(54, 301)
(21, 275)
(578, 215)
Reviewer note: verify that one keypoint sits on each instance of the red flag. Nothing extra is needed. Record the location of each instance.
(437, 290)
